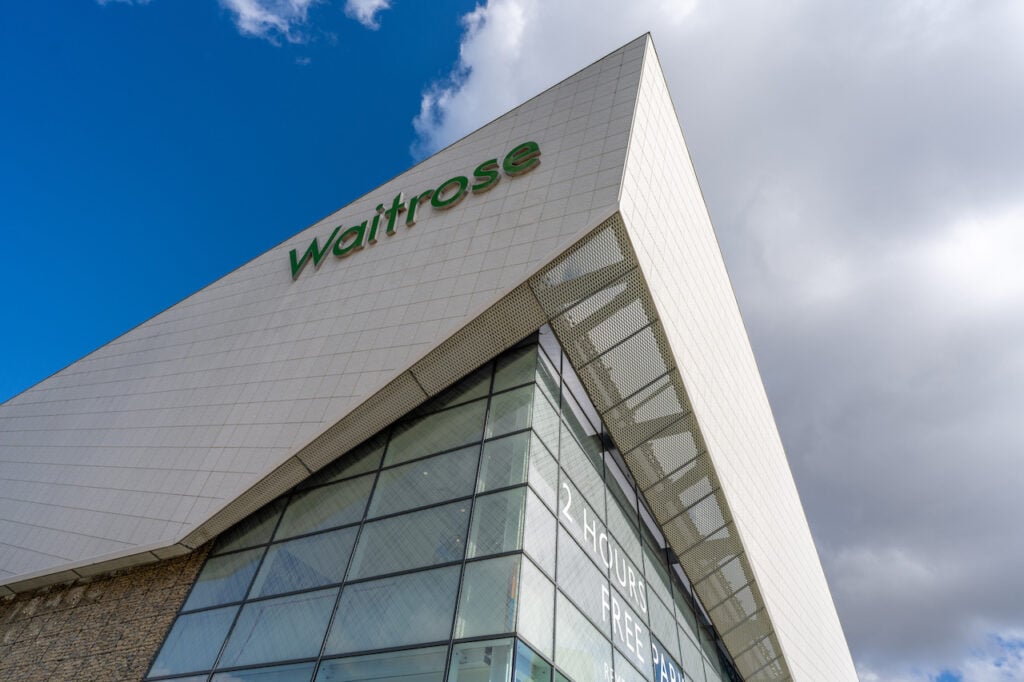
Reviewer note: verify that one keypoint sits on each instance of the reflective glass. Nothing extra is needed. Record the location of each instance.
(630, 633)
(417, 665)
(547, 379)
(436, 432)
(622, 517)
(361, 460)
(579, 520)
(425, 482)
(296, 672)
(580, 579)
(476, 385)
(529, 666)
(539, 533)
(543, 472)
(481, 661)
(332, 505)
(624, 672)
(656, 573)
(421, 538)
(251, 531)
(223, 579)
(279, 629)
(690, 657)
(546, 422)
(510, 411)
(580, 650)
(497, 523)
(585, 473)
(712, 666)
(686, 619)
(665, 666)
(395, 611)
(487, 602)
(515, 368)
(663, 625)
(536, 609)
(628, 578)
(504, 462)
(305, 563)
(194, 642)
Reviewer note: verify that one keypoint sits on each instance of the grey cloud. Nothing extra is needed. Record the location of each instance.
(862, 164)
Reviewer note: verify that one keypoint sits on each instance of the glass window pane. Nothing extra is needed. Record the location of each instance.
(194, 642)
(395, 611)
(476, 385)
(529, 666)
(487, 603)
(422, 538)
(504, 462)
(417, 665)
(510, 411)
(360, 460)
(305, 563)
(625, 672)
(580, 649)
(656, 573)
(543, 473)
(333, 505)
(481, 661)
(296, 672)
(663, 625)
(251, 531)
(547, 379)
(693, 666)
(579, 520)
(665, 666)
(630, 634)
(515, 368)
(539, 533)
(546, 422)
(280, 629)
(537, 609)
(579, 578)
(497, 523)
(425, 481)
(436, 432)
(223, 579)
(686, 619)
(585, 472)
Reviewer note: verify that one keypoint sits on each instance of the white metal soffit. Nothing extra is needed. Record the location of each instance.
(598, 305)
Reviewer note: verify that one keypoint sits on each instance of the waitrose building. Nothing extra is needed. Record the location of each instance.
(496, 420)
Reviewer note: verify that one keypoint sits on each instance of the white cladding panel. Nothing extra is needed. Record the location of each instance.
(137, 444)
(678, 253)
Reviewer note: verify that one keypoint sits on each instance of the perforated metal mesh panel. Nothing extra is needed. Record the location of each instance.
(599, 307)
(498, 328)
(394, 400)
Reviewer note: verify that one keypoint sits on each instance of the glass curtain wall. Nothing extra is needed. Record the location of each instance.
(489, 535)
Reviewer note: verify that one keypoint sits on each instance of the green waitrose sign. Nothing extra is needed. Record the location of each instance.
(342, 243)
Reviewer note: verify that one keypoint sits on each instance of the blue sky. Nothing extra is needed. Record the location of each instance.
(146, 150)
(861, 163)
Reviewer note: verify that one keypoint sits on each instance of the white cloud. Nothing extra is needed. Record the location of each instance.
(271, 19)
(512, 49)
(365, 11)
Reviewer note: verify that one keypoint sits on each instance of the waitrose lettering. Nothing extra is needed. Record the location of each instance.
(342, 243)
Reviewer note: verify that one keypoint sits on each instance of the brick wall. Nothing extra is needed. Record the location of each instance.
(105, 629)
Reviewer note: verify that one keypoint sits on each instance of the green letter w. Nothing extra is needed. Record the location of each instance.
(314, 251)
